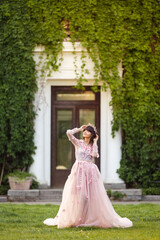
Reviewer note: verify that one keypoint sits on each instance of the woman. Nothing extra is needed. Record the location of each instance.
(84, 199)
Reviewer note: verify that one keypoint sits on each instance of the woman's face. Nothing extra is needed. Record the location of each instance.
(87, 134)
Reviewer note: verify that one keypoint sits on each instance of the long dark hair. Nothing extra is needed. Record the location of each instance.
(93, 133)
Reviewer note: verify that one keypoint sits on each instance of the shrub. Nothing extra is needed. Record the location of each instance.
(151, 191)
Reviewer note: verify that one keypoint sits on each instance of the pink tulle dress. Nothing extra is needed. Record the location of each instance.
(84, 199)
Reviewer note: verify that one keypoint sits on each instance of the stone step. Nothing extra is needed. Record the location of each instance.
(130, 194)
(23, 195)
(115, 185)
(151, 198)
(51, 194)
(3, 198)
(55, 195)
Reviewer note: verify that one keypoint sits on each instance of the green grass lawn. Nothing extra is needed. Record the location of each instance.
(25, 222)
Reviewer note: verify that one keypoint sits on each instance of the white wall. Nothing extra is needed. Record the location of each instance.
(110, 148)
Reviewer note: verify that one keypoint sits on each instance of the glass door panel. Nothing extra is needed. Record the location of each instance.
(86, 116)
(64, 148)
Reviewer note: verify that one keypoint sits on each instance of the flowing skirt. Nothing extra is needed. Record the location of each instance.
(85, 201)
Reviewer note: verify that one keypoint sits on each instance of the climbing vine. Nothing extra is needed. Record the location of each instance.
(17, 88)
(113, 32)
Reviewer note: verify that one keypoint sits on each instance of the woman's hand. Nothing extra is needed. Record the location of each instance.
(96, 139)
(82, 128)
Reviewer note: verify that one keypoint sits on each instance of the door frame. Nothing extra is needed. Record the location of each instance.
(56, 175)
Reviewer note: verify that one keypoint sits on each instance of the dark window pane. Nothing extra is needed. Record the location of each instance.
(86, 116)
(64, 147)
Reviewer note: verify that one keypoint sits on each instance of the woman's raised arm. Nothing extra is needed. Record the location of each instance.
(70, 133)
(95, 148)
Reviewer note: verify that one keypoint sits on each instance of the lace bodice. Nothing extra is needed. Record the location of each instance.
(83, 151)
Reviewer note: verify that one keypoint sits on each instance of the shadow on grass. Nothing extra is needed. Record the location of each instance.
(91, 228)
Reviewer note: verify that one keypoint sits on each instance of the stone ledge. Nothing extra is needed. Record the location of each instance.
(151, 198)
(50, 192)
(51, 198)
(43, 186)
(55, 195)
(129, 191)
(3, 198)
(115, 185)
(23, 195)
(130, 194)
(35, 195)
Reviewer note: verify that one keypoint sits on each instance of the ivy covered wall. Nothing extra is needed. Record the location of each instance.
(112, 32)
(17, 88)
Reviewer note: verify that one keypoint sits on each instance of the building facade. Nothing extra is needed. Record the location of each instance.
(59, 106)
